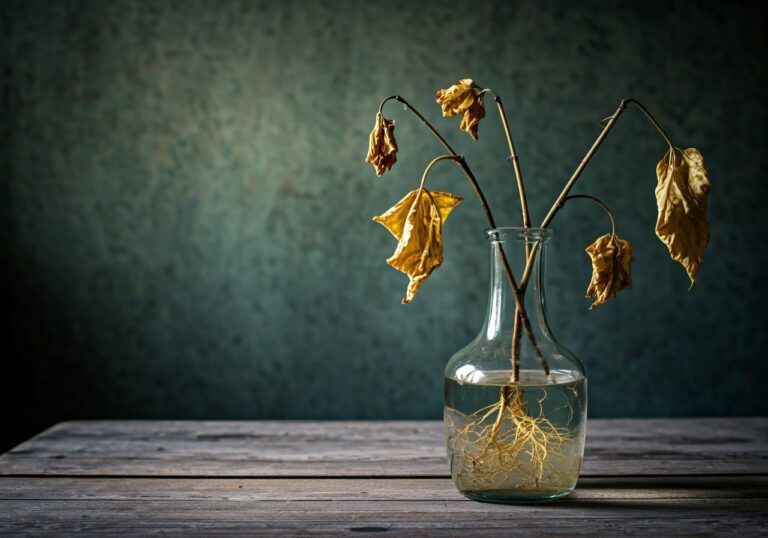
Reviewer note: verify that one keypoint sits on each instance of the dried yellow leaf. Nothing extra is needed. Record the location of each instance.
(464, 98)
(382, 146)
(418, 227)
(681, 196)
(611, 268)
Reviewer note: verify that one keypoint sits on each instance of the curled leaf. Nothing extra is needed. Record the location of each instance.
(418, 227)
(681, 196)
(466, 98)
(382, 146)
(611, 268)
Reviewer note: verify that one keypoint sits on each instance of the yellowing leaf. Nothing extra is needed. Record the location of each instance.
(418, 227)
(611, 268)
(466, 98)
(382, 146)
(681, 196)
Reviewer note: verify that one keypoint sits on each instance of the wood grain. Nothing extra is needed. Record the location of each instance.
(323, 507)
(359, 489)
(367, 449)
(681, 477)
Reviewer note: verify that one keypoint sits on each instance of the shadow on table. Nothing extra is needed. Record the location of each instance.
(682, 483)
(701, 493)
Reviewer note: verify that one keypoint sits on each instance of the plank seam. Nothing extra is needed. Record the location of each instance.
(349, 477)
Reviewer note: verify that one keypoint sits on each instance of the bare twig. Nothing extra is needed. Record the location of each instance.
(513, 158)
(598, 202)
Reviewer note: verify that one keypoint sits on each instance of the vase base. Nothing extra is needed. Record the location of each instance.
(514, 497)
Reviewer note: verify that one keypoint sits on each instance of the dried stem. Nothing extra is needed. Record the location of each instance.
(513, 158)
(583, 164)
(525, 322)
(609, 122)
(432, 163)
(458, 158)
(651, 119)
(598, 202)
(462, 163)
(516, 348)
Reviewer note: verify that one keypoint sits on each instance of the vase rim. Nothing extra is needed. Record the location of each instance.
(512, 233)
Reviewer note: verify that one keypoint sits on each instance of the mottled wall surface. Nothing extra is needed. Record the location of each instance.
(186, 215)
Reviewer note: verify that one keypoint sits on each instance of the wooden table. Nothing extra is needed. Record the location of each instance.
(649, 477)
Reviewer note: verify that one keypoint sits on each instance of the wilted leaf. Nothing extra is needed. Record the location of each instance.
(681, 196)
(464, 98)
(382, 146)
(418, 227)
(611, 268)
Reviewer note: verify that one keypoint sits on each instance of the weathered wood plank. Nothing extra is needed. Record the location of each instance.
(678, 517)
(613, 489)
(61, 492)
(368, 449)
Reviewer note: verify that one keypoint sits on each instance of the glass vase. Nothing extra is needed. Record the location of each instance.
(515, 398)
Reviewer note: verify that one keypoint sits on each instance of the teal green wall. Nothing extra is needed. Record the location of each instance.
(186, 213)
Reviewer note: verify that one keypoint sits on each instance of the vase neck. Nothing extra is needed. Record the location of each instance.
(516, 249)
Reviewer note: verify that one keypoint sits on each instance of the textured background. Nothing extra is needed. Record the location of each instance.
(186, 215)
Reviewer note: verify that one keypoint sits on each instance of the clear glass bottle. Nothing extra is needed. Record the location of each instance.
(515, 433)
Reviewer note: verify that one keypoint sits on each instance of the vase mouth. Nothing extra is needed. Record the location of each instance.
(512, 233)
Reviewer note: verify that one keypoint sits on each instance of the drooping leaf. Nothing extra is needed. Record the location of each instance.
(681, 197)
(611, 268)
(418, 227)
(382, 146)
(466, 98)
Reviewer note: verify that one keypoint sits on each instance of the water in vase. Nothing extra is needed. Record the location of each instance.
(515, 442)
